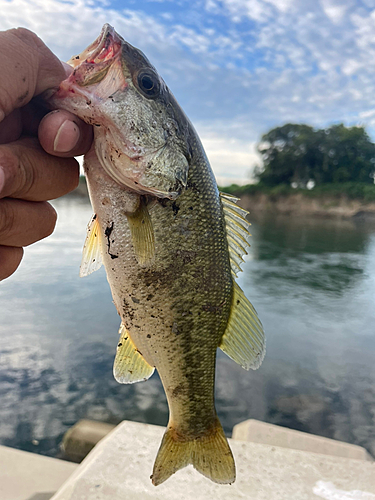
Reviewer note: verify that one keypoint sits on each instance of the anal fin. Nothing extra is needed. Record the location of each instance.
(244, 340)
(142, 234)
(130, 366)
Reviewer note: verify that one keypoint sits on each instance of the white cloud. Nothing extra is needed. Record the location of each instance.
(232, 153)
(334, 10)
(257, 10)
(269, 62)
(282, 5)
(67, 27)
(367, 114)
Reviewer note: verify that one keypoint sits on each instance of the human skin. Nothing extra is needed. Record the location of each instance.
(36, 147)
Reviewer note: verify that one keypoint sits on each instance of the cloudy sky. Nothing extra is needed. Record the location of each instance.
(237, 67)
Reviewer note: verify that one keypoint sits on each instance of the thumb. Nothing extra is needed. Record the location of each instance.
(63, 134)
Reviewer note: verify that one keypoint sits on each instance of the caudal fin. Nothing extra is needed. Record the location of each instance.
(210, 455)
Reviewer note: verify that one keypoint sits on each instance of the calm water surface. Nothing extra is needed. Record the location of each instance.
(312, 283)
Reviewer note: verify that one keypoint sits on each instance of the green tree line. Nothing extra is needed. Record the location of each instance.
(298, 153)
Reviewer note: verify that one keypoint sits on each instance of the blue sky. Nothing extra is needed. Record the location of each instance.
(237, 67)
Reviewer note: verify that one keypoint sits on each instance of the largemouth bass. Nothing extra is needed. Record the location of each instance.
(171, 245)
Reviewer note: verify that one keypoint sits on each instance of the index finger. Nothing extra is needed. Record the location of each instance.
(28, 67)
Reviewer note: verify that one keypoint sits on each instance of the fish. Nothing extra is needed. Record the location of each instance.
(171, 243)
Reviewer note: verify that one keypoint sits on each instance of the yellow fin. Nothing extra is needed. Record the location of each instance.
(92, 254)
(244, 340)
(130, 366)
(237, 231)
(210, 455)
(142, 234)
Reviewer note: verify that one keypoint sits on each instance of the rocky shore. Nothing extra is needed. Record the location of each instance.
(297, 204)
(292, 204)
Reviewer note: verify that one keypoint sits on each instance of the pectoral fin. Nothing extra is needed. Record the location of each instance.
(244, 340)
(142, 234)
(92, 254)
(130, 366)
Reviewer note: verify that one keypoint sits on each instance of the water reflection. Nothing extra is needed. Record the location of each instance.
(313, 285)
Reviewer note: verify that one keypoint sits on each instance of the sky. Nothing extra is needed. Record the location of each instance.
(237, 67)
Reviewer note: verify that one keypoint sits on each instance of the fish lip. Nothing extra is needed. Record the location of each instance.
(98, 56)
(107, 40)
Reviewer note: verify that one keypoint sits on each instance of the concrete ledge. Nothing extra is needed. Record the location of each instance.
(28, 476)
(80, 439)
(262, 432)
(120, 465)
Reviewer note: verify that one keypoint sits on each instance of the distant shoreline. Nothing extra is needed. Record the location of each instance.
(291, 204)
(298, 204)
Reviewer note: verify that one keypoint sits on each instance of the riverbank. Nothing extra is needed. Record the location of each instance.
(346, 201)
(298, 204)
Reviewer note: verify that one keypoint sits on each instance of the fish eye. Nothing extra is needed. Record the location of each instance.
(148, 83)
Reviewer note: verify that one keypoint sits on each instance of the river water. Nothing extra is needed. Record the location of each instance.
(311, 281)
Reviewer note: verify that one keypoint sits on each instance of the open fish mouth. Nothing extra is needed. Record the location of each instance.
(92, 65)
(103, 49)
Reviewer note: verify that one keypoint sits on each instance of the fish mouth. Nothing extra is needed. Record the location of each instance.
(92, 65)
(102, 50)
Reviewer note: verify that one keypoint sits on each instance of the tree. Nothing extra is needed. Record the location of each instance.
(298, 153)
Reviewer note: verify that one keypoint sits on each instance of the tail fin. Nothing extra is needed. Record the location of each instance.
(210, 455)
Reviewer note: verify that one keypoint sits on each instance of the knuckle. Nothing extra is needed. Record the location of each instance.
(27, 36)
(7, 219)
(19, 172)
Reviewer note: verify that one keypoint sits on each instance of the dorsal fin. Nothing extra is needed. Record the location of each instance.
(91, 254)
(130, 366)
(244, 340)
(237, 231)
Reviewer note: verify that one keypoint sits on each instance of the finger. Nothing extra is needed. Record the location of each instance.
(28, 68)
(10, 259)
(32, 115)
(28, 172)
(63, 134)
(68, 68)
(11, 127)
(25, 222)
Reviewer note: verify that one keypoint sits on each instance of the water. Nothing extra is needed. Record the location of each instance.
(312, 282)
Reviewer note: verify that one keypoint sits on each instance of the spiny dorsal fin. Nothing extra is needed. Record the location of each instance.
(92, 254)
(237, 231)
(142, 234)
(244, 340)
(130, 366)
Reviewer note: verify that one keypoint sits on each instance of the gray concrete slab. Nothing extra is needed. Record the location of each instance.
(80, 439)
(28, 476)
(119, 467)
(262, 432)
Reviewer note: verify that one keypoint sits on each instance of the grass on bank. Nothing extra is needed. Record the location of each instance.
(350, 190)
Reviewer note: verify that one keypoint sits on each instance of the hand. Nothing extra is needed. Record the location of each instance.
(36, 149)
